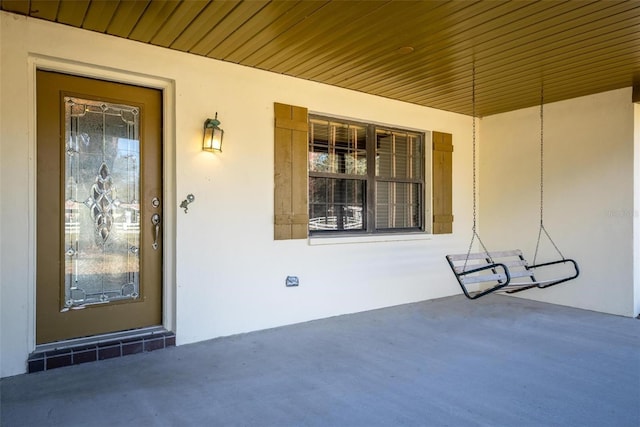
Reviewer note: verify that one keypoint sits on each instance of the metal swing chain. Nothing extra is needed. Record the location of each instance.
(542, 228)
(474, 229)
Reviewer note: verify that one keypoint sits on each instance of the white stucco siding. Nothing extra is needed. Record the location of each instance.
(227, 272)
(588, 193)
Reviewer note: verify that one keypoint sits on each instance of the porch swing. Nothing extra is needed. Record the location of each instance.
(482, 273)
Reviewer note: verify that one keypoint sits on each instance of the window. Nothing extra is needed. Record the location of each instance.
(336, 176)
(364, 178)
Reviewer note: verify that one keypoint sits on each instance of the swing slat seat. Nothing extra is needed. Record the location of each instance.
(495, 271)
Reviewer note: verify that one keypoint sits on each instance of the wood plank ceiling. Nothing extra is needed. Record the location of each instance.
(421, 52)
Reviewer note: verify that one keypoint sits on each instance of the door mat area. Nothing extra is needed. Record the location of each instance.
(83, 353)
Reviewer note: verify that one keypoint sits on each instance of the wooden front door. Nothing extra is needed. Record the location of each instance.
(99, 207)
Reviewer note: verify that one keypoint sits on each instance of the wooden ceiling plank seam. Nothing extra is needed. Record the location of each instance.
(207, 19)
(562, 83)
(44, 9)
(288, 42)
(344, 36)
(609, 44)
(297, 35)
(126, 17)
(499, 30)
(499, 79)
(440, 22)
(327, 60)
(524, 56)
(233, 20)
(535, 100)
(519, 99)
(499, 47)
(249, 30)
(515, 89)
(510, 90)
(477, 19)
(606, 71)
(366, 39)
(274, 29)
(513, 27)
(153, 20)
(579, 32)
(524, 72)
(491, 99)
(73, 12)
(21, 7)
(180, 19)
(431, 69)
(484, 109)
(583, 31)
(304, 35)
(99, 15)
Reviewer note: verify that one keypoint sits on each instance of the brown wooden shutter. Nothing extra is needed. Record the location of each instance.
(290, 172)
(442, 183)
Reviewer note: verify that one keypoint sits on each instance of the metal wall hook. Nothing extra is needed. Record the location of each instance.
(185, 203)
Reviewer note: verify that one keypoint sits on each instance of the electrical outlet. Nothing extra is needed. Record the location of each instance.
(292, 281)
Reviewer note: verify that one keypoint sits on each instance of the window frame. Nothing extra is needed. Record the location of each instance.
(371, 179)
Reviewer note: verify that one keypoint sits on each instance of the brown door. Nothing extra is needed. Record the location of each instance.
(99, 207)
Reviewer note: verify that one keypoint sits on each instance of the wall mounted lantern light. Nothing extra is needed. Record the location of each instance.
(212, 140)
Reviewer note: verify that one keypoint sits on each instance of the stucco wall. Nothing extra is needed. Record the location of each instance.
(226, 273)
(588, 193)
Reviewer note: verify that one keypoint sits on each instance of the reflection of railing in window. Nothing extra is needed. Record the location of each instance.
(350, 220)
(129, 220)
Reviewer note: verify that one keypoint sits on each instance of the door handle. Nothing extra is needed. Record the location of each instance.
(155, 220)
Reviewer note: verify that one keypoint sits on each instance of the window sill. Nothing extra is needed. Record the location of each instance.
(375, 238)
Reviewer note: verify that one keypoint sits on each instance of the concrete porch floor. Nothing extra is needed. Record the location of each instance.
(497, 361)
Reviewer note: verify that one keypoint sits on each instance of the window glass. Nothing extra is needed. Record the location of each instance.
(398, 205)
(336, 204)
(345, 196)
(337, 148)
(398, 154)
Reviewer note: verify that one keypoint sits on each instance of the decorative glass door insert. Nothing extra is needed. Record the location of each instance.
(102, 202)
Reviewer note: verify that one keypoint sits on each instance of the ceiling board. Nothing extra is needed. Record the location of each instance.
(99, 15)
(248, 32)
(274, 29)
(434, 62)
(126, 17)
(204, 22)
(72, 12)
(45, 9)
(573, 47)
(234, 18)
(179, 20)
(16, 6)
(153, 20)
(370, 41)
(327, 18)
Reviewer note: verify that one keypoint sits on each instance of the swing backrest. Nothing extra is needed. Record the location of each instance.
(481, 268)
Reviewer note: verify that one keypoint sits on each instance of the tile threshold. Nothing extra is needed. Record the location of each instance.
(102, 347)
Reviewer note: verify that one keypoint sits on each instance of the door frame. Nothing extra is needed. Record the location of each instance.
(167, 86)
